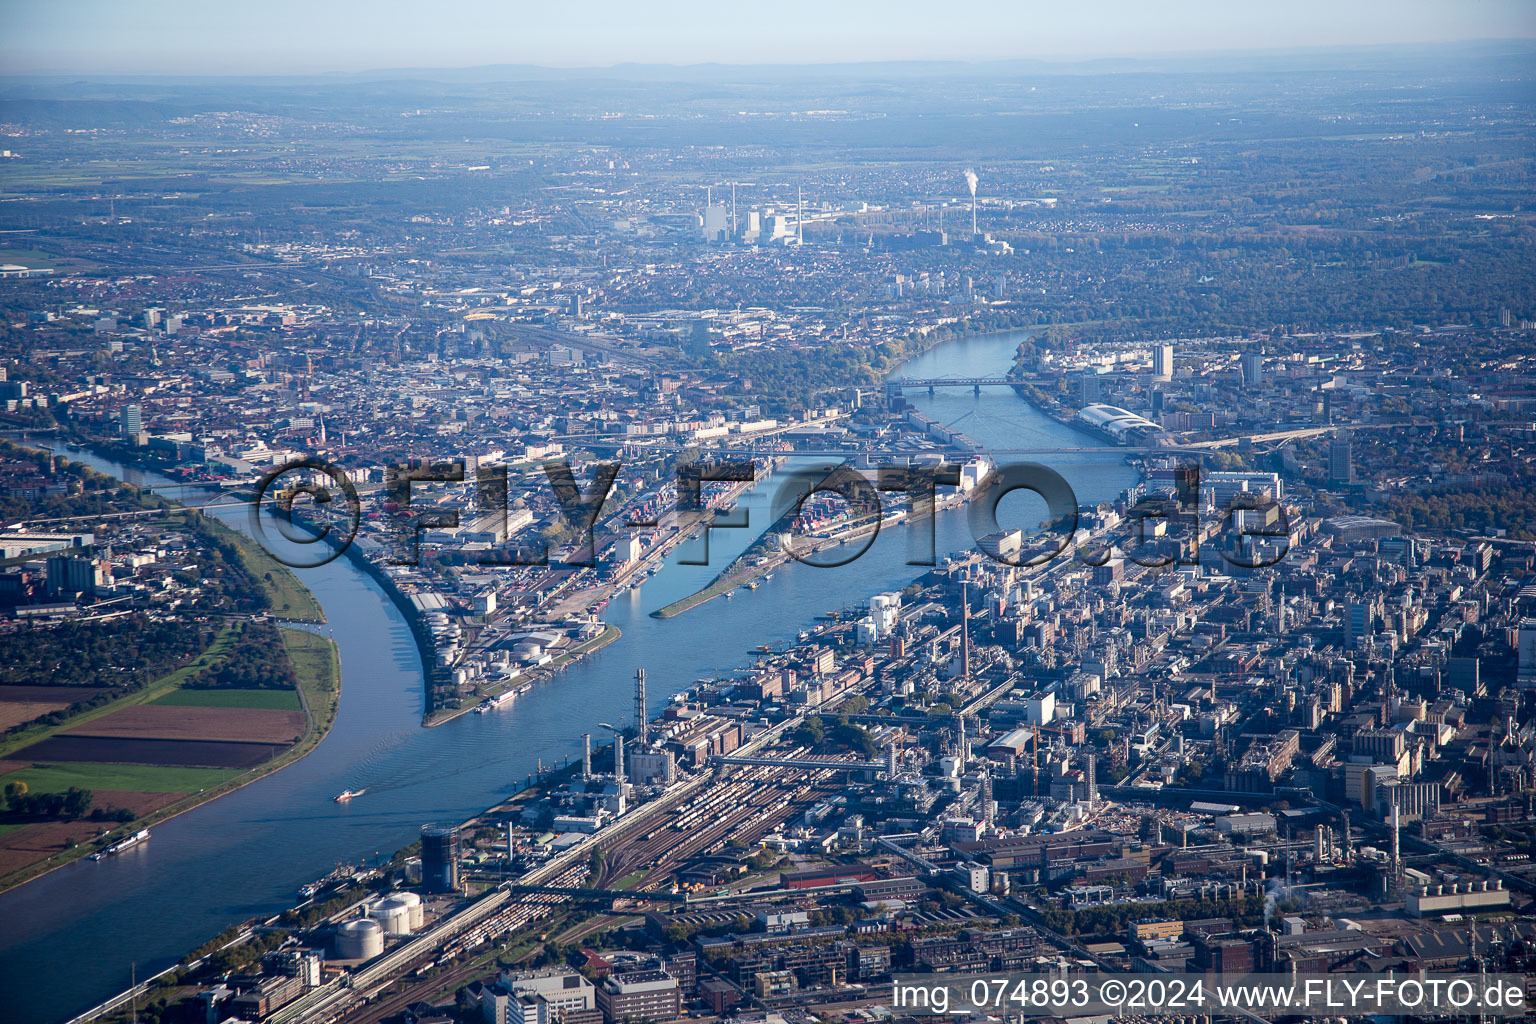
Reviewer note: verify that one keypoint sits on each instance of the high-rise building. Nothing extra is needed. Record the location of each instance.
(1253, 369)
(132, 421)
(1341, 463)
(1090, 389)
(440, 858)
(1360, 623)
(1162, 361)
(639, 995)
(716, 224)
(1526, 647)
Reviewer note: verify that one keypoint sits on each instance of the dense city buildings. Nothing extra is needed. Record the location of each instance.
(785, 539)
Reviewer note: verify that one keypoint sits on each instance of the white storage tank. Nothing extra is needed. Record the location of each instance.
(416, 907)
(393, 919)
(398, 914)
(359, 939)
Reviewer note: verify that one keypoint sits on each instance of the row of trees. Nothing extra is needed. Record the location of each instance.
(1114, 919)
(72, 804)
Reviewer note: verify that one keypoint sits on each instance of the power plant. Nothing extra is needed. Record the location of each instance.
(970, 183)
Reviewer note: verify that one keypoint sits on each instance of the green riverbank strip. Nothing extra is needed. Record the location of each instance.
(722, 585)
(317, 664)
(290, 599)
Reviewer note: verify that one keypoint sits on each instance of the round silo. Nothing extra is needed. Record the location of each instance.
(359, 939)
(394, 913)
(412, 902)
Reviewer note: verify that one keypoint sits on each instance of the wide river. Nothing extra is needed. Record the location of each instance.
(70, 936)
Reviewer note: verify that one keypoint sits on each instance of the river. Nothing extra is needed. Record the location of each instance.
(72, 934)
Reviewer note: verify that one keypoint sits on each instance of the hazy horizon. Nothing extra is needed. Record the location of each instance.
(286, 38)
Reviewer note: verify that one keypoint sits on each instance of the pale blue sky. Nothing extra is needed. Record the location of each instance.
(289, 36)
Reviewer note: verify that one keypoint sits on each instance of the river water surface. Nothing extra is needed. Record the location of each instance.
(69, 937)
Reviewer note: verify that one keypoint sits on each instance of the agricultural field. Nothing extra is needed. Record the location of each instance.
(56, 778)
(135, 750)
(21, 704)
(257, 698)
(229, 724)
(273, 700)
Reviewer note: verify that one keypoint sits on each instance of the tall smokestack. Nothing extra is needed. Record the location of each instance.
(960, 748)
(586, 755)
(618, 760)
(642, 720)
(1092, 779)
(970, 183)
(965, 630)
(1397, 859)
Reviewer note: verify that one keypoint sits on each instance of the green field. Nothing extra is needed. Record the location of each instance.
(166, 684)
(319, 670)
(275, 700)
(318, 665)
(147, 778)
(33, 258)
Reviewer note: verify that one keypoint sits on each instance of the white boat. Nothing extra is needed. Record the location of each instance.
(492, 703)
(348, 794)
(123, 844)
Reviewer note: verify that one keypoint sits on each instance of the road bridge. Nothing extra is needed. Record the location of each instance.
(894, 388)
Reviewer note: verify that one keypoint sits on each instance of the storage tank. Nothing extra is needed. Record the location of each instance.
(417, 908)
(397, 913)
(359, 939)
(393, 918)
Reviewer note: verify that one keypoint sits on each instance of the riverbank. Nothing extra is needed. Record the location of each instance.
(140, 787)
(317, 666)
(737, 575)
(609, 634)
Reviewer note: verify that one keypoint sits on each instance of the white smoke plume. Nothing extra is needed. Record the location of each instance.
(1276, 891)
(970, 181)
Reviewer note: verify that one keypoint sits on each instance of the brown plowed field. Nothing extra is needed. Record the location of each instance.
(15, 712)
(31, 843)
(171, 722)
(20, 704)
(122, 750)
